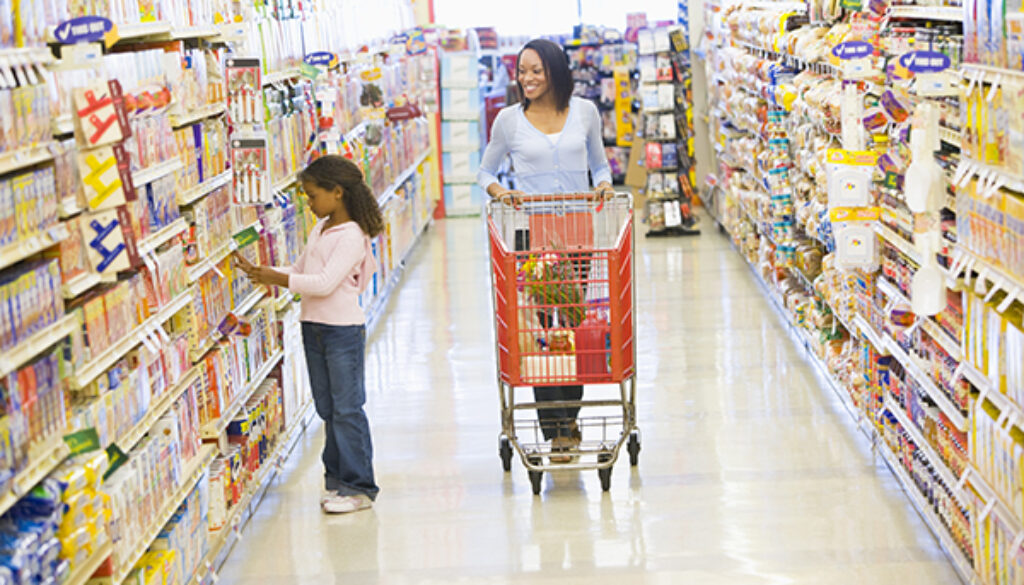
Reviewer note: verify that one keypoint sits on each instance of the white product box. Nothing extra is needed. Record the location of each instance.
(463, 199)
(460, 136)
(461, 167)
(460, 104)
(459, 70)
(552, 368)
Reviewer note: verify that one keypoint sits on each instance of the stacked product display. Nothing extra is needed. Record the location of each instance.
(666, 126)
(604, 71)
(461, 138)
(148, 388)
(869, 169)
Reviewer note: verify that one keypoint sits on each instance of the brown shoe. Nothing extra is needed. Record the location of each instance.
(559, 450)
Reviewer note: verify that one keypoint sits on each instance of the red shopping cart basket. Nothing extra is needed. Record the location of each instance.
(562, 276)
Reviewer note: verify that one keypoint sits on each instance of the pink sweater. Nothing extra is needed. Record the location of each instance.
(332, 271)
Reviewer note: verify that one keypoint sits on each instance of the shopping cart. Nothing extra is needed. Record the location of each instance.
(562, 279)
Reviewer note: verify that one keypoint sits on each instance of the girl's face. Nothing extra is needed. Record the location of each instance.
(322, 202)
(532, 77)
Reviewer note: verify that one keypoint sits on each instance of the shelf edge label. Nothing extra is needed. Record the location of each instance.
(853, 50)
(83, 29)
(925, 61)
(322, 59)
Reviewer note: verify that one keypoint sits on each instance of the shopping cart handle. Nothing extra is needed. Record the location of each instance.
(586, 196)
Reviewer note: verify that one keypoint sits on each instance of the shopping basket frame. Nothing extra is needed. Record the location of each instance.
(506, 260)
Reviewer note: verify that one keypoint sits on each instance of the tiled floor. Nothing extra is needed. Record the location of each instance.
(751, 472)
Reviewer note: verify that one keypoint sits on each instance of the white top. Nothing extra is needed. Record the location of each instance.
(544, 163)
(554, 137)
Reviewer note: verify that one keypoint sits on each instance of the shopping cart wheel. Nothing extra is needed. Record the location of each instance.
(535, 480)
(605, 473)
(505, 451)
(634, 448)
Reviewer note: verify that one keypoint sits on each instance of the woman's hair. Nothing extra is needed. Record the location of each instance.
(330, 171)
(556, 69)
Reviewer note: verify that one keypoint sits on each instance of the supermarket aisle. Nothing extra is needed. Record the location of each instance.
(750, 473)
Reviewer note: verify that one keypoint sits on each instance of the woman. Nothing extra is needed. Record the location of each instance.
(556, 146)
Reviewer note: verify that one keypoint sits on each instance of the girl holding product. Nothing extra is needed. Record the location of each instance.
(556, 146)
(333, 269)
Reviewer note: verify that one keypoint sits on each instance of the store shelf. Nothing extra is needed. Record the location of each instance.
(23, 353)
(190, 196)
(193, 32)
(198, 115)
(1006, 405)
(936, 332)
(988, 73)
(63, 125)
(949, 136)
(156, 410)
(221, 541)
(196, 271)
(280, 76)
(899, 242)
(913, 367)
(995, 275)
(157, 171)
(153, 242)
(960, 561)
(244, 307)
(938, 464)
(25, 157)
(13, 253)
(193, 472)
(135, 32)
(402, 178)
(868, 331)
(80, 284)
(281, 303)
(80, 575)
(937, 13)
(69, 208)
(101, 363)
(214, 429)
(42, 461)
(1009, 180)
(991, 500)
(285, 182)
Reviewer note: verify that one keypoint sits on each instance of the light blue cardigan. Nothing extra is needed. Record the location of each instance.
(542, 166)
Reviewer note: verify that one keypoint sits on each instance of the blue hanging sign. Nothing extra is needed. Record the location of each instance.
(853, 50)
(925, 61)
(322, 59)
(83, 29)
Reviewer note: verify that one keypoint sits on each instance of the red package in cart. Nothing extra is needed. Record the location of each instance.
(245, 90)
(249, 165)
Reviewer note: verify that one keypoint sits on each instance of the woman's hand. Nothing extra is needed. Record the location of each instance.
(604, 192)
(511, 197)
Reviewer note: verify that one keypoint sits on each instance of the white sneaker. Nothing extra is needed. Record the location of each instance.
(326, 495)
(338, 504)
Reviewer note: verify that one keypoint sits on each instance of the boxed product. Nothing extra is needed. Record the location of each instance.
(463, 199)
(461, 167)
(456, 136)
(459, 70)
(460, 104)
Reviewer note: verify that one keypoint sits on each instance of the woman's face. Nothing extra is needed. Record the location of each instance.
(532, 77)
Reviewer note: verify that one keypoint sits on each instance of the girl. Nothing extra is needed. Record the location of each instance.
(333, 269)
(555, 141)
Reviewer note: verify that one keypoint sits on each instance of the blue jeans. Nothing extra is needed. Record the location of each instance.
(335, 356)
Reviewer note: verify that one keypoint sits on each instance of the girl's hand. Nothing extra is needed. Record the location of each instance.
(267, 276)
(240, 261)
